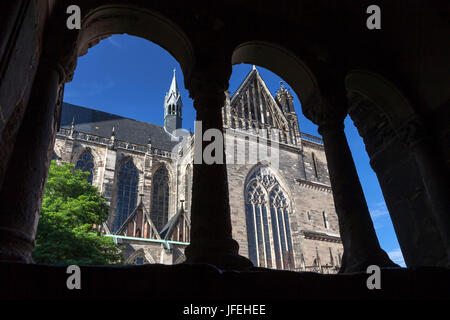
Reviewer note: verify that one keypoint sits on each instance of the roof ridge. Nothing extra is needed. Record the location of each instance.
(112, 114)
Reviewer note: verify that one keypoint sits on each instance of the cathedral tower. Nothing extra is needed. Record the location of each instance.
(172, 107)
(285, 99)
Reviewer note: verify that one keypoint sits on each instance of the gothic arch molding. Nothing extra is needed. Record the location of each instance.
(98, 163)
(96, 156)
(140, 253)
(106, 20)
(280, 179)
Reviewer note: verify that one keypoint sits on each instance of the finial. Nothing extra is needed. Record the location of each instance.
(254, 67)
(113, 133)
(174, 70)
(72, 127)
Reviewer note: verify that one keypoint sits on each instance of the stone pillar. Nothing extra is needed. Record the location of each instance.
(23, 187)
(211, 237)
(434, 176)
(361, 246)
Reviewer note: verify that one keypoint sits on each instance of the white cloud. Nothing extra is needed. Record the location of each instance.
(397, 256)
(378, 209)
(114, 42)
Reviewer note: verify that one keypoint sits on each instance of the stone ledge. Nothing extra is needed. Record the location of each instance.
(189, 282)
(314, 185)
(322, 236)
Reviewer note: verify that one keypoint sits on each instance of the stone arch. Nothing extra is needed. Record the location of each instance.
(105, 20)
(140, 253)
(281, 61)
(381, 112)
(383, 93)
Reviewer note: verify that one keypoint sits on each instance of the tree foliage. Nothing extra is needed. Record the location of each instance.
(71, 208)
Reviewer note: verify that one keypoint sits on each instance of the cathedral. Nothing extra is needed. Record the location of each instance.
(282, 208)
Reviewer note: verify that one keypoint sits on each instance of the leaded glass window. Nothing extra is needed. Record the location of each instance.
(268, 228)
(160, 198)
(126, 193)
(86, 163)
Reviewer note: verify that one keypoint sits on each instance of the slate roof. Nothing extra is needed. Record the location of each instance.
(101, 123)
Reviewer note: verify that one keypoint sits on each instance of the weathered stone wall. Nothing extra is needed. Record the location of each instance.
(310, 201)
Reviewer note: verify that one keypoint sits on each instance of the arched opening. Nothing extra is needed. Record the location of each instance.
(380, 111)
(313, 170)
(100, 116)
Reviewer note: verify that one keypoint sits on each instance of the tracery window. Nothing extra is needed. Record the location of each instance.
(268, 228)
(86, 163)
(126, 193)
(160, 198)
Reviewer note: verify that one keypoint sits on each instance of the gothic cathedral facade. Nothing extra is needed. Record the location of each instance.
(282, 208)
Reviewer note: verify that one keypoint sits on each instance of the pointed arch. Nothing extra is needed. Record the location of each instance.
(85, 162)
(127, 190)
(160, 197)
(267, 215)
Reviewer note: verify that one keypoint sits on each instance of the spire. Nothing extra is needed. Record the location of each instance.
(172, 106)
(174, 85)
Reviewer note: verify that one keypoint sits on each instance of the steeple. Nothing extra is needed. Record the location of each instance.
(285, 98)
(172, 107)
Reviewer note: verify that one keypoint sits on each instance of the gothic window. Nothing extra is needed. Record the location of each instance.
(268, 228)
(86, 163)
(160, 198)
(127, 192)
(188, 189)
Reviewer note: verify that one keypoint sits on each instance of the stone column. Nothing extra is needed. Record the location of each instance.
(211, 237)
(361, 246)
(23, 187)
(434, 176)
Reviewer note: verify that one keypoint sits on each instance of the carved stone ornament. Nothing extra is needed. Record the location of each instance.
(412, 133)
(321, 112)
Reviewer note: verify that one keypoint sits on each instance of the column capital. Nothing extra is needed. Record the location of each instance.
(412, 132)
(208, 83)
(321, 112)
(61, 46)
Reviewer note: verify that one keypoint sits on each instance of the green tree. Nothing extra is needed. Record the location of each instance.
(70, 209)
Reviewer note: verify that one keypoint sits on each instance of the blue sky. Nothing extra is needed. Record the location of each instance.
(129, 76)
